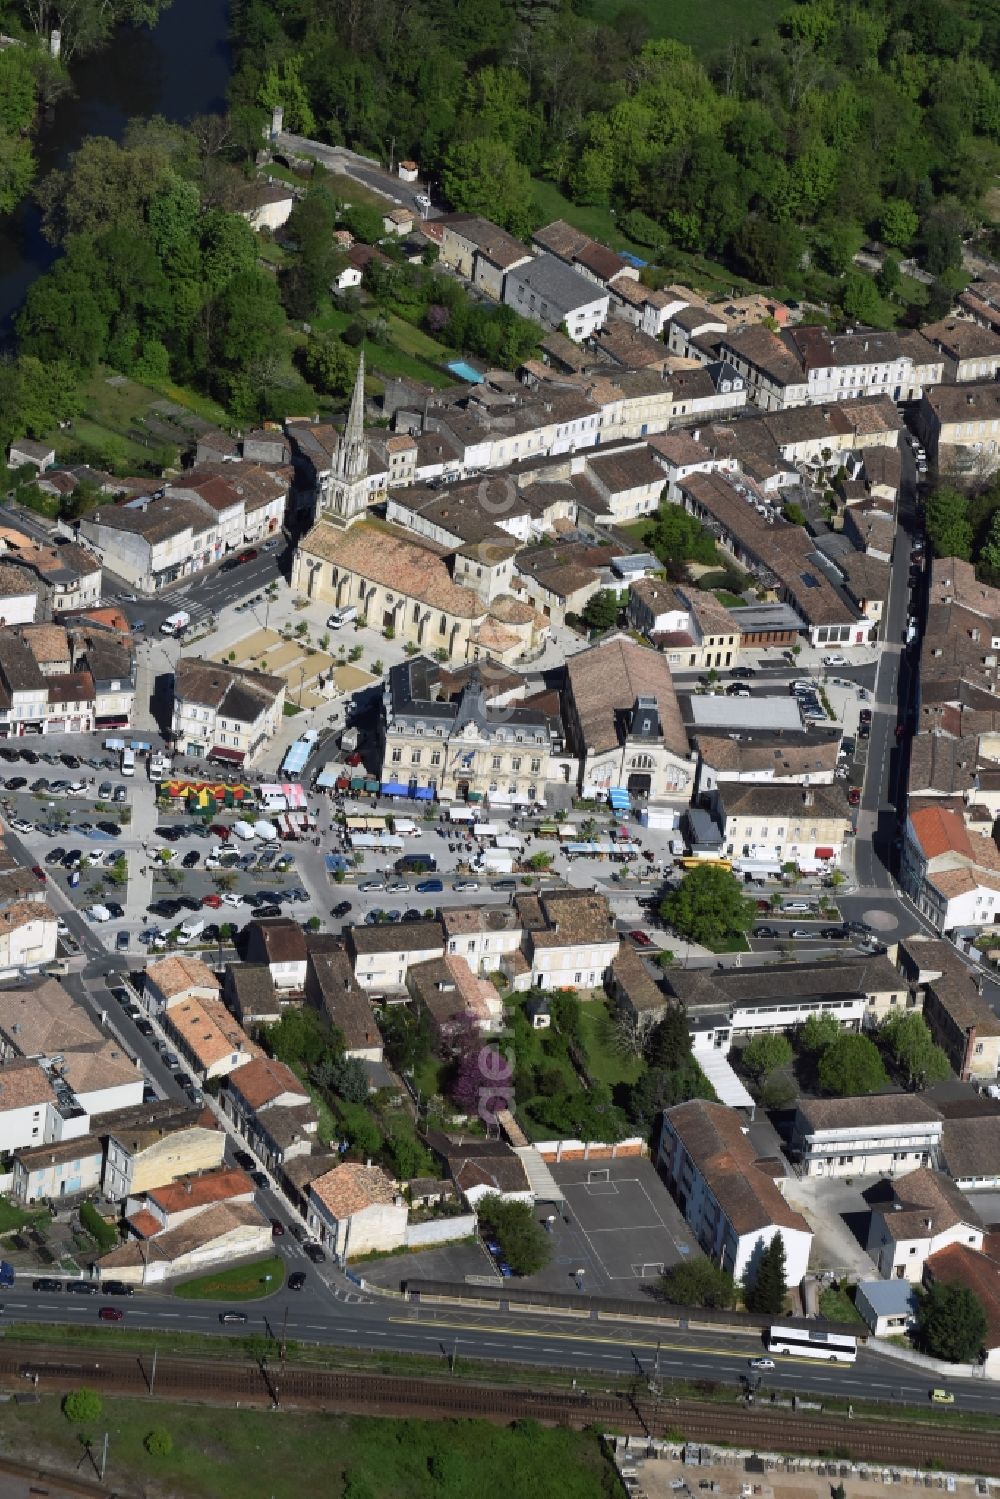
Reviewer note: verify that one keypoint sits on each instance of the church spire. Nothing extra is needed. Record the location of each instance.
(355, 429)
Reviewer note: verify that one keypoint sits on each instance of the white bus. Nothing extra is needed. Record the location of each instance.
(812, 1342)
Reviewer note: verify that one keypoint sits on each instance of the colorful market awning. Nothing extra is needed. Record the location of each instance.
(394, 788)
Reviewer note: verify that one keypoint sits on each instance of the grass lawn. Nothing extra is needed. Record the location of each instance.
(12, 1217)
(837, 1306)
(729, 944)
(605, 1063)
(228, 1454)
(327, 1128)
(704, 28)
(731, 600)
(239, 1283)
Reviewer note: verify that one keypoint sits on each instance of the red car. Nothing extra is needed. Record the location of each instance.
(854, 796)
(111, 1314)
(277, 1229)
(250, 555)
(215, 901)
(221, 831)
(640, 939)
(37, 869)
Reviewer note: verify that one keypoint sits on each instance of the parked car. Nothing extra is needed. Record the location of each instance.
(833, 933)
(432, 887)
(46, 1283)
(372, 887)
(81, 1288)
(214, 901)
(641, 939)
(259, 1179)
(854, 796)
(765, 933)
(244, 1159)
(191, 860)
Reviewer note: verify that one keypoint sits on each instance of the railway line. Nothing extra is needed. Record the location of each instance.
(274, 1384)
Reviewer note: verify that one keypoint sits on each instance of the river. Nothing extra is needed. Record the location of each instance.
(178, 69)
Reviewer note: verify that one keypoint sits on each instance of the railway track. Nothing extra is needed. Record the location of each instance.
(888, 1442)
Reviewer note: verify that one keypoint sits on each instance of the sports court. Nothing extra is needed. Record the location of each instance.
(624, 1226)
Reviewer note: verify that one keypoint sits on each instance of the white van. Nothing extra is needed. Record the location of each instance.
(190, 932)
(341, 617)
(128, 762)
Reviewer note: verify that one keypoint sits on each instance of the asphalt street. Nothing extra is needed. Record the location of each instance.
(316, 1315)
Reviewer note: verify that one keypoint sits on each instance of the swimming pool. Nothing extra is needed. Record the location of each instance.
(465, 371)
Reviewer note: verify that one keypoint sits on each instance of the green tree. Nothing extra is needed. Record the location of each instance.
(17, 168)
(907, 1040)
(484, 176)
(601, 610)
(697, 1282)
(818, 1032)
(768, 1291)
(948, 525)
(951, 1323)
(859, 298)
(104, 185)
(989, 552)
(158, 1442)
(708, 906)
(669, 1042)
(524, 1244)
(83, 1406)
(889, 277)
(850, 1066)
(765, 1054)
(660, 1088)
(282, 84)
(898, 223)
(329, 365)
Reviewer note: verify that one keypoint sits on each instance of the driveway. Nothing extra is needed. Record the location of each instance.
(835, 1211)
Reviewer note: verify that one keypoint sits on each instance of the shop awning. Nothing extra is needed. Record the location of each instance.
(357, 783)
(475, 796)
(619, 798)
(327, 779)
(826, 853)
(394, 788)
(372, 786)
(230, 756)
(112, 721)
(423, 793)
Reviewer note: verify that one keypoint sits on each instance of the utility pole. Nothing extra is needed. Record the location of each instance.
(104, 1456)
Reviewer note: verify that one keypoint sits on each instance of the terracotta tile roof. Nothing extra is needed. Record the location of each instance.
(24, 1083)
(940, 832)
(40, 1019)
(209, 1031)
(971, 1147)
(22, 912)
(107, 1066)
(144, 1224)
(279, 937)
(713, 1137)
(201, 1191)
(351, 1188)
(263, 1080)
(881, 1109)
(197, 1233)
(921, 1197)
(177, 974)
(408, 564)
(567, 918)
(959, 1265)
(608, 678)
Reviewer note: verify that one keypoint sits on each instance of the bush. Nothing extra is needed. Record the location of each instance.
(159, 1442)
(104, 1234)
(83, 1405)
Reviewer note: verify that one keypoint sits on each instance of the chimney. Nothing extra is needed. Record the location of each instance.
(808, 796)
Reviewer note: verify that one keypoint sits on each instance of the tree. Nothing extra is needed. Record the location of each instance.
(819, 1032)
(765, 1054)
(708, 906)
(898, 223)
(105, 185)
(907, 1039)
(948, 525)
(159, 1442)
(697, 1282)
(851, 1065)
(17, 168)
(951, 1323)
(989, 552)
(484, 176)
(860, 299)
(767, 1294)
(329, 365)
(601, 610)
(669, 1042)
(889, 277)
(83, 1405)
(348, 1080)
(524, 1244)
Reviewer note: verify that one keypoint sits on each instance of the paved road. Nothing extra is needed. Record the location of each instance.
(314, 1315)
